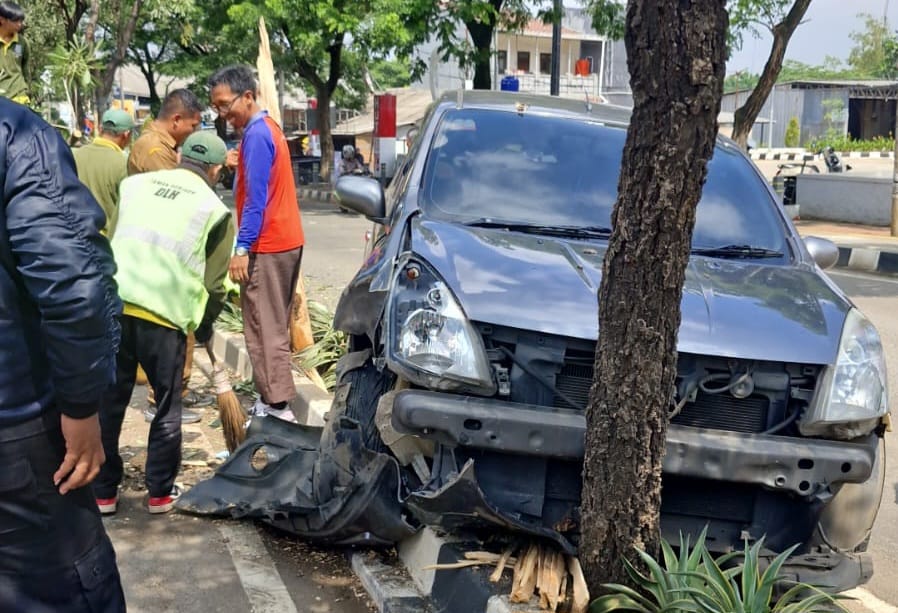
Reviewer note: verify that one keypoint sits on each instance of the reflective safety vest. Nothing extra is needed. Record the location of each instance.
(160, 243)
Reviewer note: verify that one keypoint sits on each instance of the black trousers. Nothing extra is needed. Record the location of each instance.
(55, 556)
(161, 352)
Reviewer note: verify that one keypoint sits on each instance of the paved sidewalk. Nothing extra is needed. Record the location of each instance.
(864, 248)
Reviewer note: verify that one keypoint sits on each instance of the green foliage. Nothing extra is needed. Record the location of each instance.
(875, 52)
(609, 17)
(230, 318)
(793, 132)
(388, 74)
(753, 16)
(694, 581)
(330, 345)
(740, 81)
(842, 142)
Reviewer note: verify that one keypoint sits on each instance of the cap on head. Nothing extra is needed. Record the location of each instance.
(204, 147)
(117, 121)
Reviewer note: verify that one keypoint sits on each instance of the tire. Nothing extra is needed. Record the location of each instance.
(366, 386)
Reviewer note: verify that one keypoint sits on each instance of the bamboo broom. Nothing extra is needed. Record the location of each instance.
(230, 413)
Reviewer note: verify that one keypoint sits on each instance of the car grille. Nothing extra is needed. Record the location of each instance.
(717, 411)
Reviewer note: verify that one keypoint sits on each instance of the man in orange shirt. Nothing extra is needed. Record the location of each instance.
(269, 240)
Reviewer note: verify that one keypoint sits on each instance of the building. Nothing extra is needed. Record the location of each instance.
(860, 109)
(591, 65)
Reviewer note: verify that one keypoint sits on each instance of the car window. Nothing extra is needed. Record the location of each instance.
(556, 171)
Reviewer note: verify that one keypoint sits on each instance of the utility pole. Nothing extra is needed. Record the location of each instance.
(555, 78)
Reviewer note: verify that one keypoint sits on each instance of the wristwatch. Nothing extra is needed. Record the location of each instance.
(241, 251)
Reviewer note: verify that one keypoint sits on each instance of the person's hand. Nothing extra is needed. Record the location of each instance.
(232, 158)
(83, 453)
(239, 269)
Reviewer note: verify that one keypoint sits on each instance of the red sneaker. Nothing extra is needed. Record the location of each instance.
(107, 506)
(163, 504)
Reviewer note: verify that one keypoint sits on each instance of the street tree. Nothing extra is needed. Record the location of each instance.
(875, 51)
(676, 55)
(780, 18)
(480, 19)
(312, 37)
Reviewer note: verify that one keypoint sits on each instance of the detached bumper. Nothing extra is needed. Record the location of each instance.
(798, 465)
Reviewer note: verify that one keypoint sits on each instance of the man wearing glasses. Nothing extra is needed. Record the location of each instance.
(267, 257)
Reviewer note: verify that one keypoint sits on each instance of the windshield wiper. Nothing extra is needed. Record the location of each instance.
(561, 231)
(737, 251)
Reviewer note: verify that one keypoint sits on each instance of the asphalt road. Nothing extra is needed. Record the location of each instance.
(877, 298)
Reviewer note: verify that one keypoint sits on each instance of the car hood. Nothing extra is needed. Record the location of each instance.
(731, 308)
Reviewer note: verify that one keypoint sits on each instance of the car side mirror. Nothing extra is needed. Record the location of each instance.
(363, 195)
(824, 252)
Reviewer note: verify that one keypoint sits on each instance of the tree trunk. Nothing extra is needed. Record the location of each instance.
(745, 115)
(482, 37)
(676, 54)
(106, 77)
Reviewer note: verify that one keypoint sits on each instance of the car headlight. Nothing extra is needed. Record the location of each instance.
(852, 396)
(431, 342)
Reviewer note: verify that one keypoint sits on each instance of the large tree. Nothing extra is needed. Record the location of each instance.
(780, 18)
(480, 18)
(676, 53)
(875, 51)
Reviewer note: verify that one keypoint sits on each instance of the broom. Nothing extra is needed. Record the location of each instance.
(230, 413)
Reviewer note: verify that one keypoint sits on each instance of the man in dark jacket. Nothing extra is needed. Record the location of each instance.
(59, 334)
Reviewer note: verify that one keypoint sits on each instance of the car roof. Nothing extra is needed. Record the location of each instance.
(511, 101)
(555, 105)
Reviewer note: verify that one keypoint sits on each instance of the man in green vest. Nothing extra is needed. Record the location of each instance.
(102, 164)
(172, 246)
(13, 56)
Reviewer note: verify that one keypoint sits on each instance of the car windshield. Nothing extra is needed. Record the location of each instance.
(489, 167)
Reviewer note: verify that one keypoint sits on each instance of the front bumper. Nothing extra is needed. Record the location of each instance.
(802, 466)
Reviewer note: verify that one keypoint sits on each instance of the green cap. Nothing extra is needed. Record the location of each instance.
(204, 146)
(117, 120)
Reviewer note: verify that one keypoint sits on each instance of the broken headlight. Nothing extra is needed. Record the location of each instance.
(852, 395)
(431, 341)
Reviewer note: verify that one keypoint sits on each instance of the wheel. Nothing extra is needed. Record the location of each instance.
(366, 386)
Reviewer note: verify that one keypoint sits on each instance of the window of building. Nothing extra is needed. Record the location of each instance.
(502, 62)
(545, 63)
(523, 61)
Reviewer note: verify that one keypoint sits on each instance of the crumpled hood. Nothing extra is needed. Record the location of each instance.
(730, 308)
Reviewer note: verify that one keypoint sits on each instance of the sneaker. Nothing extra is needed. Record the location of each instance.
(107, 506)
(187, 417)
(163, 504)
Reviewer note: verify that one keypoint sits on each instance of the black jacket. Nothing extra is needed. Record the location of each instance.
(59, 305)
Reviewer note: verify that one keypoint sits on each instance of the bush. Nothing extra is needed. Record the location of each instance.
(846, 143)
(793, 133)
(693, 581)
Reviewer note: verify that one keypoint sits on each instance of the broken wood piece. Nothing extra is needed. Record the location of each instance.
(542, 577)
(504, 559)
(581, 592)
(524, 590)
(558, 574)
(486, 556)
(563, 593)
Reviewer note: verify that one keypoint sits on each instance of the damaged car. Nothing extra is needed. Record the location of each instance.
(473, 327)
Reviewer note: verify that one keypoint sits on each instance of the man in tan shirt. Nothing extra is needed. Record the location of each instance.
(157, 147)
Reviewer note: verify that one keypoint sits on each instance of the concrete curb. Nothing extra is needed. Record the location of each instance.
(793, 156)
(311, 402)
(317, 195)
(868, 259)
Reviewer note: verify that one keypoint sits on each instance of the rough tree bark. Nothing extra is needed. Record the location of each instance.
(106, 76)
(745, 115)
(676, 53)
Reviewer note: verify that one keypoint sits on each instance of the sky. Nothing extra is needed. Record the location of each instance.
(825, 31)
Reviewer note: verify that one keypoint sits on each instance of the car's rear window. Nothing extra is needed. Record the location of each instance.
(538, 169)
